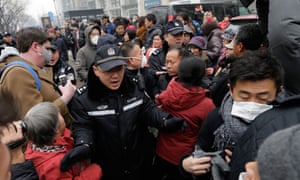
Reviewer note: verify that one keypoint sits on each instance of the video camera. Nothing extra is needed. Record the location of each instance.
(219, 165)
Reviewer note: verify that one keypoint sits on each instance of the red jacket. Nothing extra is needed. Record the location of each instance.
(190, 104)
(47, 164)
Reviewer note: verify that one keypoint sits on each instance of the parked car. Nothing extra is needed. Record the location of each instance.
(237, 21)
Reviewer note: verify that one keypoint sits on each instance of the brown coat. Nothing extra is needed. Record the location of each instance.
(141, 33)
(21, 84)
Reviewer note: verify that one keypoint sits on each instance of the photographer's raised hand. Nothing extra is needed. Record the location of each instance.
(12, 136)
(12, 132)
(67, 91)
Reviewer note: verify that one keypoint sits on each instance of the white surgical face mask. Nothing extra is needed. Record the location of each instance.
(94, 40)
(47, 55)
(144, 61)
(248, 111)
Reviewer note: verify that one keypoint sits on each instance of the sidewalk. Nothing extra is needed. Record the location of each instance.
(75, 66)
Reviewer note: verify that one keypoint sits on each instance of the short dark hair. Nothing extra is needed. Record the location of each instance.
(160, 34)
(250, 36)
(151, 17)
(127, 47)
(182, 52)
(191, 71)
(137, 41)
(131, 34)
(141, 21)
(254, 66)
(105, 17)
(26, 36)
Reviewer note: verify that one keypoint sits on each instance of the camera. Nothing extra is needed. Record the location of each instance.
(23, 125)
(21, 141)
(62, 79)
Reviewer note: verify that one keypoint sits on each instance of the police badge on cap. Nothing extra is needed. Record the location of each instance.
(174, 27)
(109, 57)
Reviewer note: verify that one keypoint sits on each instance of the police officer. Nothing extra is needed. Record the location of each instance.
(111, 118)
(173, 37)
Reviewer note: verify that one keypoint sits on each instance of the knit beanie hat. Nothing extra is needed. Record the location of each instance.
(198, 41)
(279, 155)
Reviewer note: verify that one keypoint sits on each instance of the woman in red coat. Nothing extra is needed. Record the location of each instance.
(49, 141)
(183, 98)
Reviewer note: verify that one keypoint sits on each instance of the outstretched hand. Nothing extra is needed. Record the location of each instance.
(174, 123)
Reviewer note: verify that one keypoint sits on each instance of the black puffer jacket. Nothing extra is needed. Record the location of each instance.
(115, 123)
(286, 114)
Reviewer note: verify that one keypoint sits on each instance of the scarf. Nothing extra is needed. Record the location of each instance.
(227, 135)
(45, 148)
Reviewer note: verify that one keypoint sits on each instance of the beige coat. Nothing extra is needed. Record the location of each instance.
(19, 81)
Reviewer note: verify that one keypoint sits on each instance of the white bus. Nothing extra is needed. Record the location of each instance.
(220, 8)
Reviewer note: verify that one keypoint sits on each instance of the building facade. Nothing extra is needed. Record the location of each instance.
(112, 8)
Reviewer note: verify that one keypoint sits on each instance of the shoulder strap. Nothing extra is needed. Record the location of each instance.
(28, 67)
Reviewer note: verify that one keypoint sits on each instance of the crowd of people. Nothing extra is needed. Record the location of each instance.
(158, 101)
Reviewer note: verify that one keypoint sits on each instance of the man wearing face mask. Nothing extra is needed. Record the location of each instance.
(33, 85)
(254, 81)
(86, 54)
(143, 76)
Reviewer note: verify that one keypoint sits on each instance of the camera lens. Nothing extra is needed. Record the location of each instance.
(23, 125)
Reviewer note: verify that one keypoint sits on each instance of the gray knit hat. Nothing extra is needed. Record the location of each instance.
(279, 155)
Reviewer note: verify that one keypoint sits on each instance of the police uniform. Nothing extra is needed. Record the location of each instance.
(114, 124)
(157, 60)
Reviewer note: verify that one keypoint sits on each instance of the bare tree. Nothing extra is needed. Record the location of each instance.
(10, 13)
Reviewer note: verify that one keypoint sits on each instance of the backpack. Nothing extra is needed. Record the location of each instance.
(28, 67)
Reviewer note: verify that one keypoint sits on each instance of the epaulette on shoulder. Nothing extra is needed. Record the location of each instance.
(156, 52)
(81, 90)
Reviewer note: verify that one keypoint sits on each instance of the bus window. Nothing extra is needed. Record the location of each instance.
(160, 13)
(219, 9)
(218, 12)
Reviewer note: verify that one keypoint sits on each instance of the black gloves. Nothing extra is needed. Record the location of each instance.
(174, 123)
(77, 154)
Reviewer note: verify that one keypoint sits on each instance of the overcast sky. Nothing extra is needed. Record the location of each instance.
(38, 8)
